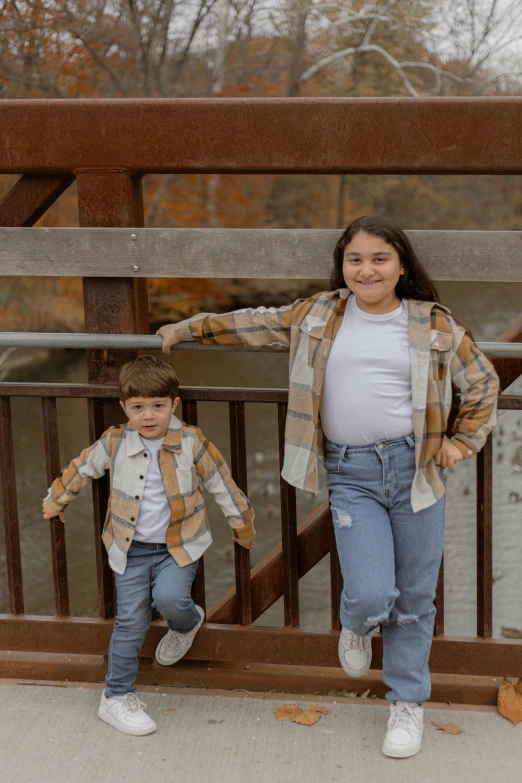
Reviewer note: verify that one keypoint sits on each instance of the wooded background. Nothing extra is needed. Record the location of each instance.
(259, 48)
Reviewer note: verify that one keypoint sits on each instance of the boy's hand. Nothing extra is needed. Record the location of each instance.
(247, 542)
(448, 454)
(50, 510)
(169, 337)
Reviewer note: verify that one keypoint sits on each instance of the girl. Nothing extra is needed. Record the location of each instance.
(372, 363)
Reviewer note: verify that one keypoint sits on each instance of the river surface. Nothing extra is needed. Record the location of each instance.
(468, 302)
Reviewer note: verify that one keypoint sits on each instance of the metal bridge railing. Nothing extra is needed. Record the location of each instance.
(153, 342)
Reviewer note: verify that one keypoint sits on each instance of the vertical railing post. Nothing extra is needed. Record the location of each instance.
(239, 474)
(112, 305)
(58, 550)
(485, 540)
(288, 532)
(13, 554)
(189, 412)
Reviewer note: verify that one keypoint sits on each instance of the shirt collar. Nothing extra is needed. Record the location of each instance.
(172, 440)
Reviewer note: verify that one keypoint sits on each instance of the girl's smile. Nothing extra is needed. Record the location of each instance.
(371, 270)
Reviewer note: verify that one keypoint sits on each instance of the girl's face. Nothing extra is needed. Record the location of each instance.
(371, 270)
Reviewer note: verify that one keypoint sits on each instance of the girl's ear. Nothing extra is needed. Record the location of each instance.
(123, 407)
(175, 404)
(402, 270)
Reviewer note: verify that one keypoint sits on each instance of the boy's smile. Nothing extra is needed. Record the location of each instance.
(150, 416)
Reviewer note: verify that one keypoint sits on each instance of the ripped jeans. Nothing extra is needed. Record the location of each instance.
(389, 556)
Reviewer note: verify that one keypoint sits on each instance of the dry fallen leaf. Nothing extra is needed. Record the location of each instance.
(510, 701)
(321, 709)
(447, 728)
(170, 709)
(298, 715)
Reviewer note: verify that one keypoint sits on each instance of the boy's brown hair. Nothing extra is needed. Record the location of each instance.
(147, 376)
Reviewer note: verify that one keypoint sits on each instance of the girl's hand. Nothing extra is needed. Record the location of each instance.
(448, 454)
(247, 542)
(169, 337)
(50, 510)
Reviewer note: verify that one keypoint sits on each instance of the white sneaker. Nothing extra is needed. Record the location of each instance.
(175, 645)
(405, 728)
(125, 714)
(355, 652)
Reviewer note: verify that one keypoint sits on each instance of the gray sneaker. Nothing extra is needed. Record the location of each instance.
(175, 645)
(355, 652)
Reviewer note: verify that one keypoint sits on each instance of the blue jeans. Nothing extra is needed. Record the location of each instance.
(389, 555)
(152, 579)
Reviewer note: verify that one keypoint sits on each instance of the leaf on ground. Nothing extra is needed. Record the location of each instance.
(170, 709)
(298, 715)
(321, 709)
(447, 728)
(510, 701)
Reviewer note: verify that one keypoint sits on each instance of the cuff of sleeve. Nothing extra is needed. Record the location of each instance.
(465, 449)
(182, 332)
(244, 531)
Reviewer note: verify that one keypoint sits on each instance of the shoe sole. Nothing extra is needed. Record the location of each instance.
(179, 657)
(134, 732)
(400, 754)
(346, 668)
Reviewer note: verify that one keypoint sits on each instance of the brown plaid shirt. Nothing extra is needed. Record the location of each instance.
(188, 462)
(441, 353)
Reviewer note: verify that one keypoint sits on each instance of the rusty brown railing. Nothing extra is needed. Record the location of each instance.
(81, 140)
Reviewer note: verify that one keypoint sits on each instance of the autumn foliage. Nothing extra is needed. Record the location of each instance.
(197, 48)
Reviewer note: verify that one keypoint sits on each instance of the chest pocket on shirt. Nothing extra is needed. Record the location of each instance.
(187, 480)
(312, 329)
(440, 352)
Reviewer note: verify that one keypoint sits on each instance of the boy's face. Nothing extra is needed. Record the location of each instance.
(150, 416)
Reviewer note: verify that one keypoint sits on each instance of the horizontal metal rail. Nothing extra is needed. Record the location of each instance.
(252, 135)
(154, 342)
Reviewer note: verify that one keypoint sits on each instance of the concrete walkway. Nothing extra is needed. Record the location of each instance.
(50, 733)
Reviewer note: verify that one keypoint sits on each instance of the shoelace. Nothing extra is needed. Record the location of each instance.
(173, 645)
(132, 702)
(402, 717)
(354, 642)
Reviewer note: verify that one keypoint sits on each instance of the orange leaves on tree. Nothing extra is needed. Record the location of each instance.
(510, 701)
(298, 715)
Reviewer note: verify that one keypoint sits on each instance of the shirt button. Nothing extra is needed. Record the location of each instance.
(127, 539)
(141, 477)
(469, 451)
(145, 455)
(137, 497)
(132, 519)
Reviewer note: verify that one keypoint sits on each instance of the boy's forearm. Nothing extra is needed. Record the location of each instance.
(92, 463)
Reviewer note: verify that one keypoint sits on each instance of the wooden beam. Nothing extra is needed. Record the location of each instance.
(255, 644)
(249, 253)
(29, 199)
(257, 677)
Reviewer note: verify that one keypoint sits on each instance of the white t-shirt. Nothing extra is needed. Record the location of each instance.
(154, 516)
(366, 395)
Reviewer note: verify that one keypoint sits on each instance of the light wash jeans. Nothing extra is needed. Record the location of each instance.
(389, 556)
(152, 579)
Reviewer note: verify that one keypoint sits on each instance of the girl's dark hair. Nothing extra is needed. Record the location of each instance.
(415, 283)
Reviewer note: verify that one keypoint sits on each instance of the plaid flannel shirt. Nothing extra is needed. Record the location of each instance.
(188, 461)
(441, 353)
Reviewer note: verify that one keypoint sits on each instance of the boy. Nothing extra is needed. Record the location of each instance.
(156, 527)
